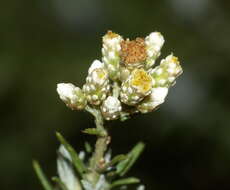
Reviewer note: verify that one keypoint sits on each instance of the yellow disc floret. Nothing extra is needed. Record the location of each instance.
(142, 81)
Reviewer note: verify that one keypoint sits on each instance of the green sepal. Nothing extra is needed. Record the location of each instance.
(77, 162)
(60, 183)
(43, 179)
(124, 166)
(125, 181)
(94, 131)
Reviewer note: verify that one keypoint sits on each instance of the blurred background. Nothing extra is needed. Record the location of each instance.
(45, 42)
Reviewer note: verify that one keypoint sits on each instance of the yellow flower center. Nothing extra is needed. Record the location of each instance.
(111, 34)
(175, 60)
(141, 80)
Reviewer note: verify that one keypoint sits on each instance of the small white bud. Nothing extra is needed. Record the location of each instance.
(71, 95)
(66, 91)
(154, 42)
(111, 108)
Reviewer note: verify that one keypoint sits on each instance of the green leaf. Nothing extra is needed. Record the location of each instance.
(94, 131)
(124, 166)
(126, 181)
(60, 183)
(44, 181)
(88, 147)
(77, 162)
(117, 159)
(114, 161)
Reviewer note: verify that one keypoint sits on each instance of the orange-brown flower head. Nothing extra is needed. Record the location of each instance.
(133, 53)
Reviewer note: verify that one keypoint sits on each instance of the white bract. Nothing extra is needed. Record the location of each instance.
(95, 65)
(154, 42)
(156, 98)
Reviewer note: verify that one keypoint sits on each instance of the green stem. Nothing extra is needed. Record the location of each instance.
(97, 160)
(116, 89)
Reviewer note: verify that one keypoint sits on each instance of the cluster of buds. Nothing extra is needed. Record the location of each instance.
(125, 81)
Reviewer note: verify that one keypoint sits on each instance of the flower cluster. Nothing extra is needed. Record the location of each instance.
(125, 81)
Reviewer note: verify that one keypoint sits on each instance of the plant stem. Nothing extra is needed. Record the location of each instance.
(97, 160)
(116, 89)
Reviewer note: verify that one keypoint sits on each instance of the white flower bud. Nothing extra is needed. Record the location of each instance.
(156, 98)
(97, 83)
(71, 95)
(111, 108)
(110, 51)
(154, 42)
(166, 73)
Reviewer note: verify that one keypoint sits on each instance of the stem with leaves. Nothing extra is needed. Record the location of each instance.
(97, 161)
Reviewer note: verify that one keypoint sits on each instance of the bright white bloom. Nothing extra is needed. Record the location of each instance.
(111, 108)
(154, 42)
(156, 98)
(71, 95)
(110, 51)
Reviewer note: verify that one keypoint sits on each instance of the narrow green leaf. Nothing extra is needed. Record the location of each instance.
(44, 181)
(60, 183)
(117, 159)
(114, 161)
(77, 162)
(124, 166)
(94, 131)
(88, 147)
(126, 181)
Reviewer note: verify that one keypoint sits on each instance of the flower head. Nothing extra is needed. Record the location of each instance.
(133, 53)
(166, 73)
(110, 51)
(136, 87)
(97, 83)
(71, 95)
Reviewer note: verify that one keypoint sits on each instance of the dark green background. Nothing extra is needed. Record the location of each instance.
(45, 42)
